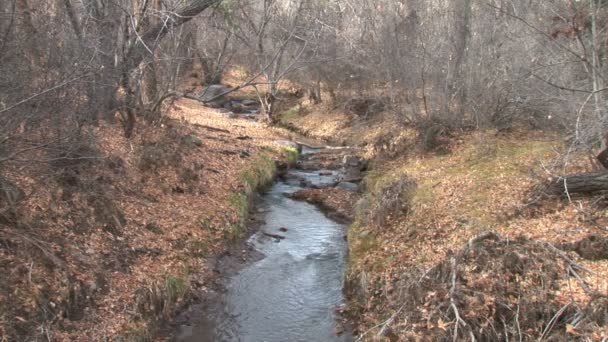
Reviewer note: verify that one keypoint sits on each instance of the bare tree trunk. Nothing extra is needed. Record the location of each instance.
(457, 83)
(597, 79)
(30, 30)
(9, 27)
(314, 93)
(149, 83)
(73, 20)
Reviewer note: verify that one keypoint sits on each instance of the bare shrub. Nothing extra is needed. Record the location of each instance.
(522, 277)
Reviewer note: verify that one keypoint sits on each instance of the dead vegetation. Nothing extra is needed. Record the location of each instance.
(115, 236)
(495, 289)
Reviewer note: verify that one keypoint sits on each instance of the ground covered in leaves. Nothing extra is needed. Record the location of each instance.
(464, 242)
(111, 240)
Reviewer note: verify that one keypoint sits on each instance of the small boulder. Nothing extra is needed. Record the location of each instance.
(288, 143)
(348, 186)
(350, 161)
(354, 162)
(212, 94)
(251, 103)
(193, 140)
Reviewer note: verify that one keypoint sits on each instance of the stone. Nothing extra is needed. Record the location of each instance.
(211, 92)
(193, 140)
(348, 186)
(288, 143)
(250, 103)
(351, 161)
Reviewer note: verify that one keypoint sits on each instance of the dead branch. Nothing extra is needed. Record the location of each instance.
(459, 320)
(30, 240)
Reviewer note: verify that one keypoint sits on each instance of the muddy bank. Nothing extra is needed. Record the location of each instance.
(336, 203)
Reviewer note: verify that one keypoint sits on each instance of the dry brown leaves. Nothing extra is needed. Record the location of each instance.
(121, 226)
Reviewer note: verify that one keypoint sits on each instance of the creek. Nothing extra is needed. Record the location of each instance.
(293, 290)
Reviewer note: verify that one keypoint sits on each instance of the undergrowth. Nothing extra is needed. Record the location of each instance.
(416, 211)
(290, 114)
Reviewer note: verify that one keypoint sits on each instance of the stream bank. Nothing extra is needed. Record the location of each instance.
(286, 281)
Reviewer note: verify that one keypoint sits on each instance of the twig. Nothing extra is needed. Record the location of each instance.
(388, 322)
(378, 325)
(30, 272)
(34, 242)
(552, 322)
(591, 92)
(276, 236)
(567, 259)
(581, 281)
(459, 320)
(537, 30)
(517, 319)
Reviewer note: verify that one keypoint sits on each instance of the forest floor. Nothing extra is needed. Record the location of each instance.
(462, 240)
(109, 247)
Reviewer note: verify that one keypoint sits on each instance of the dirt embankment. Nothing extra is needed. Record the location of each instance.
(104, 248)
(465, 243)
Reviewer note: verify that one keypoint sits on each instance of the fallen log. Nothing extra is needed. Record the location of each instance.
(583, 183)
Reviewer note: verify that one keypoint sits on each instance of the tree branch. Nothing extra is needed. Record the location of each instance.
(182, 15)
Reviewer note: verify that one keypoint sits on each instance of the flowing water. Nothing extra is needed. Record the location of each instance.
(292, 293)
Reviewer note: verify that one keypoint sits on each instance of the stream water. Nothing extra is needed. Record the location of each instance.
(291, 294)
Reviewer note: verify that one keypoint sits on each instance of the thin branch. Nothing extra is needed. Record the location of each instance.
(567, 88)
(42, 93)
(536, 29)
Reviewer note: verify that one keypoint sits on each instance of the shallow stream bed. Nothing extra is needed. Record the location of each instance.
(291, 292)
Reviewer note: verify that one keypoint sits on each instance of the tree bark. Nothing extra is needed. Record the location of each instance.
(29, 28)
(150, 39)
(585, 183)
(462, 32)
(73, 20)
(603, 158)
